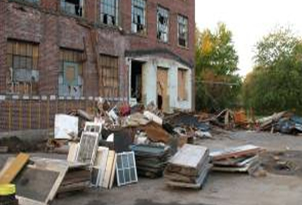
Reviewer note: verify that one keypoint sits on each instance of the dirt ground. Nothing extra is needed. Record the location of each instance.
(220, 189)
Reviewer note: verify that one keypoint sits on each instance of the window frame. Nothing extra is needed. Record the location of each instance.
(28, 52)
(66, 11)
(71, 57)
(115, 6)
(134, 7)
(180, 16)
(159, 7)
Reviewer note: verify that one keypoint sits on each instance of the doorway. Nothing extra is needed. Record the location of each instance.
(136, 80)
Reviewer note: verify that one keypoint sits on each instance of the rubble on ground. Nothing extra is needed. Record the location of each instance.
(115, 145)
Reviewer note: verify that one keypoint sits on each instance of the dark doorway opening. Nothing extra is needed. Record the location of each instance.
(136, 80)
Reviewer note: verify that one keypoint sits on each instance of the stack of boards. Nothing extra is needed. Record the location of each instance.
(151, 160)
(188, 168)
(236, 159)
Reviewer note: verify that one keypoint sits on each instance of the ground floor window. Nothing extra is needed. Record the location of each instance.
(110, 75)
(71, 73)
(22, 60)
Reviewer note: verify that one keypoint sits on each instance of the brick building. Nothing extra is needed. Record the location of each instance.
(65, 51)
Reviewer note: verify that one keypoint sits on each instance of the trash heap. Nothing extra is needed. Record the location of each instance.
(236, 159)
(188, 168)
(283, 122)
(151, 160)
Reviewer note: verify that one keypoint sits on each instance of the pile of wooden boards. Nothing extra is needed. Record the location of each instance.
(188, 168)
(236, 159)
(151, 160)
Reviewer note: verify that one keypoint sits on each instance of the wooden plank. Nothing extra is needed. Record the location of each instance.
(244, 150)
(100, 164)
(73, 151)
(7, 164)
(14, 168)
(112, 173)
(109, 169)
(198, 185)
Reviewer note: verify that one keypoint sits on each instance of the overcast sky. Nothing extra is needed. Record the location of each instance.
(249, 20)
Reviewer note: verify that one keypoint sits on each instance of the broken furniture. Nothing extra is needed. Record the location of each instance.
(188, 168)
(236, 159)
(151, 160)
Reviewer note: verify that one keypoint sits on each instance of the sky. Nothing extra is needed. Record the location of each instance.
(249, 21)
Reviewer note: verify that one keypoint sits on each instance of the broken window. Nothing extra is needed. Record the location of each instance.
(74, 7)
(110, 75)
(23, 74)
(71, 73)
(182, 85)
(32, 1)
(138, 16)
(182, 31)
(162, 24)
(109, 12)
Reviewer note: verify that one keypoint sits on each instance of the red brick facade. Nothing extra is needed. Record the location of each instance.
(52, 29)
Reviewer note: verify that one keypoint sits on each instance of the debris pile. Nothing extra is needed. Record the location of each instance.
(283, 122)
(188, 168)
(236, 159)
(151, 160)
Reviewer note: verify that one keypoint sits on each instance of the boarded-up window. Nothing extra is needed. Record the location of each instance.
(109, 71)
(71, 75)
(182, 85)
(22, 59)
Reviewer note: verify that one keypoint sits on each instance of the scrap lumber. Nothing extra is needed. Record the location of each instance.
(151, 160)
(188, 168)
(13, 170)
(235, 152)
(237, 159)
(100, 166)
(109, 169)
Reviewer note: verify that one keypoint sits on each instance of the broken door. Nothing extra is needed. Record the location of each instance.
(162, 89)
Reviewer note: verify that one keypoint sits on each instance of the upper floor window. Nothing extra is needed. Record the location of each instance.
(32, 1)
(109, 12)
(22, 59)
(162, 24)
(74, 7)
(182, 31)
(138, 16)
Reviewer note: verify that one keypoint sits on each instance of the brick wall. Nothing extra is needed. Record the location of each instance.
(48, 26)
(3, 14)
(18, 113)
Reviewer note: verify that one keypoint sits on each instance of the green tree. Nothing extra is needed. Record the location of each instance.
(216, 64)
(275, 83)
